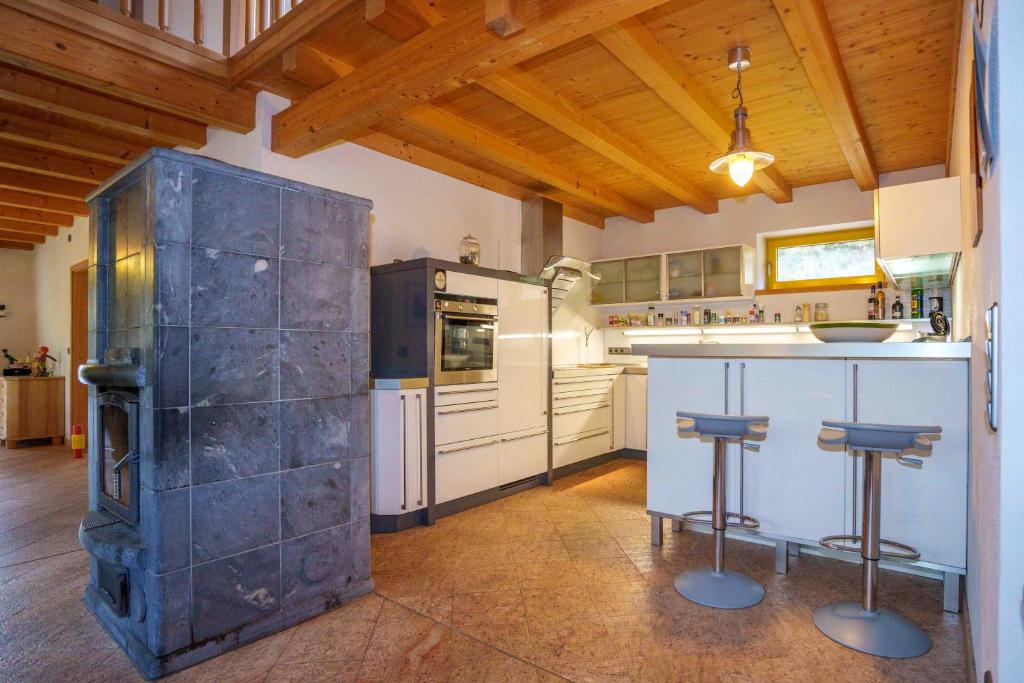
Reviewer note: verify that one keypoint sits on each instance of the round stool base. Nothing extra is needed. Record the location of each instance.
(883, 633)
(725, 590)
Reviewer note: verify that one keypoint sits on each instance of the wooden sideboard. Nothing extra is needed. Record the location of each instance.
(31, 408)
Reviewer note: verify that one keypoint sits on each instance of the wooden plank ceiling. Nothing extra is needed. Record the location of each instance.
(612, 107)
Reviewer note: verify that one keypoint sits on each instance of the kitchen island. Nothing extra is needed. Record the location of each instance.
(798, 490)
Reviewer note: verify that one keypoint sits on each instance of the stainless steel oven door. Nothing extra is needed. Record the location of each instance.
(465, 348)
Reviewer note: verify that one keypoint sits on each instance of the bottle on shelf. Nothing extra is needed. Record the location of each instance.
(916, 302)
(650, 316)
(880, 301)
(873, 304)
(798, 314)
(897, 309)
(752, 314)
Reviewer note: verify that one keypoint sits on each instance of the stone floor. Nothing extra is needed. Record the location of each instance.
(555, 583)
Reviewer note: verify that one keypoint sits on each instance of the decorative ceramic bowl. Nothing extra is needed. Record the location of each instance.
(856, 331)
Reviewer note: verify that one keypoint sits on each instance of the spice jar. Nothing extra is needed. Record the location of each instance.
(820, 312)
(469, 250)
(798, 314)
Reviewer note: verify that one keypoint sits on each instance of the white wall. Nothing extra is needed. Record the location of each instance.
(17, 292)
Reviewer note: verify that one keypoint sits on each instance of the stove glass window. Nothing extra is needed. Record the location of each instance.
(117, 482)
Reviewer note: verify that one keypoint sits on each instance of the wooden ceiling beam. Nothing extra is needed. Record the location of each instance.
(503, 18)
(639, 50)
(312, 67)
(534, 97)
(44, 184)
(21, 237)
(810, 33)
(29, 200)
(16, 213)
(405, 151)
(443, 58)
(40, 133)
(57, 51)
(48, 163)
(28, 228)
(401, 19)
(23, 246)
(76, 103)
(439, 123)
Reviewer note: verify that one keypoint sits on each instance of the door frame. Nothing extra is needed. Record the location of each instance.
(78, 343)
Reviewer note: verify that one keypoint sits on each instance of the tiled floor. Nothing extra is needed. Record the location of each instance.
(557, 582)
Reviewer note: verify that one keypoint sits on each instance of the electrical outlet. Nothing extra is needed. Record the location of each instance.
(620, 350)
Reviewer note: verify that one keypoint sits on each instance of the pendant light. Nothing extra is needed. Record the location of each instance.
(742, 159)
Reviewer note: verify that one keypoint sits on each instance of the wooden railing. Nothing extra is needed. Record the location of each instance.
(243, 20)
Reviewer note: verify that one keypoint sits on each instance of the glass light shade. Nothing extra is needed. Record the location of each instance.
(740, 165)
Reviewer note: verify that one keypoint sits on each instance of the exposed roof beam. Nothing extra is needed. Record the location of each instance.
(16, 245)
(503, 18)
(57, 51)
(47, 163)
(532, 96)
(312, 67)
(401, 19)
(809, 31)
(79, 104)
(16, 213)
(44, 184)
(21, 237)
(405, 151)
(633, 44)
(28, 228)
(443, 58)
(41, 133)
(440, 123)
(29, 200)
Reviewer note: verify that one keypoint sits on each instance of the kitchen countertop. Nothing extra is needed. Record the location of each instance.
(885, 350)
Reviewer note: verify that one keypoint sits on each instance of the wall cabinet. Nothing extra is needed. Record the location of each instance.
(797, 489)
(917, 231)
(631, 280)
(398, 423)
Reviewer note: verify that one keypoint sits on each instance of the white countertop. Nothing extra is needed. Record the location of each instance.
(889, 350)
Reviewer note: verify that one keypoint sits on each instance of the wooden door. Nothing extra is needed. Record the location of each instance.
(79, 343)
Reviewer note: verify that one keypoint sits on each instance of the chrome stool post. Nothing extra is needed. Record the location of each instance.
(720, 587)
(866, 627)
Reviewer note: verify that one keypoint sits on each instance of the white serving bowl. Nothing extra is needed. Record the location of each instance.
(855, 331)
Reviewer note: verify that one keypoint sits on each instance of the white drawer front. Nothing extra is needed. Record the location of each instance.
(456, 394)
(565, 386)
(578, 447)
(465, 468)
(581, 398)
(578, 419)
(465, 421)
(522, 455)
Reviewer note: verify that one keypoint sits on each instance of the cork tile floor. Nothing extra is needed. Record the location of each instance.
(555, 583)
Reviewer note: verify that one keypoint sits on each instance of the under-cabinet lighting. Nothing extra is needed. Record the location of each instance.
(661, 331)
(751, 329)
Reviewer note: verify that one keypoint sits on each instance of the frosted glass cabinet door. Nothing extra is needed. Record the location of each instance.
(643, 278)
(679, 469)
(685, 273)
(793, 486)
(723, 272)
(610, 288)
(925, 507)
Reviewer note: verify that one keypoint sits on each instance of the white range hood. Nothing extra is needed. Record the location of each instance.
(917, 232)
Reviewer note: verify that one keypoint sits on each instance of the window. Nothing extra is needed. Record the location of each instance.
(822, 259)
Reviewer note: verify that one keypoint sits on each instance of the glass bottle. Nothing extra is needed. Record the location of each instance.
(880, 301)
(469, 250)
(872, 310)
(897, 309)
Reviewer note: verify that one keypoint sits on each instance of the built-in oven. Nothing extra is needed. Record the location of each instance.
(465, 339)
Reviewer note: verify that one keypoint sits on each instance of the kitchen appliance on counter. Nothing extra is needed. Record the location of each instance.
(465, 339)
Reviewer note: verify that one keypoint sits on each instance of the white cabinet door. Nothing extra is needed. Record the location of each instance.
(465, 284)
(523, 377)
(794, 487)
(398, 462)
(679, 469)
(636, 412)
(465, 468)
(619, 413)
(926, 507)
(522, 455)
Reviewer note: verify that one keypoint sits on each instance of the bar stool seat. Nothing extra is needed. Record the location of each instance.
(864, 627)
(719, 587)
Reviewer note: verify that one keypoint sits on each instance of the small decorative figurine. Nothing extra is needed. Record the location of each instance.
(11, 360)
(39, 362)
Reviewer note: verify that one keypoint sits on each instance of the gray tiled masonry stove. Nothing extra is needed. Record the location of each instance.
(228, 408)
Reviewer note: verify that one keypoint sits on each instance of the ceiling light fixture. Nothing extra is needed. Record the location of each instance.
(742, 159)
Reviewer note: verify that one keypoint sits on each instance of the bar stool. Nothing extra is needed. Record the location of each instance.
(865, 627)
(719, 587)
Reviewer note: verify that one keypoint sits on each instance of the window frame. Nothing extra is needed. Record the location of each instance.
(773, 244)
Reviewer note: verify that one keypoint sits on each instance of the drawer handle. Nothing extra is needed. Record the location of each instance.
(582, 409)
(584, 381)
(601, 392)
(467, 448)
(465, 391)
(581, 438)
(466, 410)
(524, 436)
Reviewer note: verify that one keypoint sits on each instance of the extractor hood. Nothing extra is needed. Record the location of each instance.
(562, 274)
